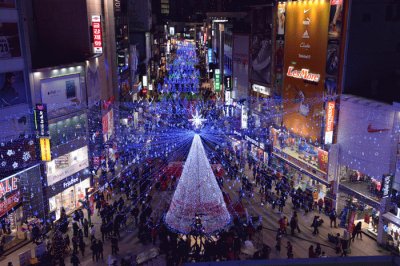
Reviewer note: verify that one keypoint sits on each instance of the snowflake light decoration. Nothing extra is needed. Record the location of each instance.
(197, 120)
(10, 152)
(15, 165)
(26, 156)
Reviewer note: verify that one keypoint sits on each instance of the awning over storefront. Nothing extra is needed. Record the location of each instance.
(311, 174)
(359, 196)
(390, 217)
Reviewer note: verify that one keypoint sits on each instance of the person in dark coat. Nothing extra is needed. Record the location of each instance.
(86, 227)
(75, 260)
(82, 247)
(289, 249)
(100, 249)
(94, 249)
(311, 253)
(315, 225)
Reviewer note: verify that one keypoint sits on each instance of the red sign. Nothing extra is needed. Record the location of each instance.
(350, 226)
(323, 160)
(303, 74)
(330, 118)
(97, 38)
(8, 185)
(9, 203)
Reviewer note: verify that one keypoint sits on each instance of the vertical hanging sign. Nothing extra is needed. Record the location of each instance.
(97, 38)
(41, 122)
(330, 118)
(217, 81)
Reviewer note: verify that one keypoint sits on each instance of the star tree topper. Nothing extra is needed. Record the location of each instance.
(197, 120)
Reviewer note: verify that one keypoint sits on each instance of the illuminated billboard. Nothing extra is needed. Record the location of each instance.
(306, 36)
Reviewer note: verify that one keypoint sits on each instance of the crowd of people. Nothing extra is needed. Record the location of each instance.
(183, 75)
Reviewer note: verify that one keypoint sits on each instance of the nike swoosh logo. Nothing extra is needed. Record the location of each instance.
(306, 10)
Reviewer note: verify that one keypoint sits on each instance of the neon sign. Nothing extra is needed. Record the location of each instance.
(303, 74)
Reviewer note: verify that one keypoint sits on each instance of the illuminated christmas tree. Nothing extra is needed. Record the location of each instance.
(197, 194)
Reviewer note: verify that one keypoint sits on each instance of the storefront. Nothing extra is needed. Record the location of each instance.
(67, 178)
(237, 143)
(354, 207)
(364, 162)
(256, 149)
(303, 163)
(68, 194)
(391, 231)
(17, 204)
(11, 213)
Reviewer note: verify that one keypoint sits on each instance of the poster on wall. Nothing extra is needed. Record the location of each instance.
(306, 35)
(7, 3)
(61, 91)
(12, 90)
(335, 19)
(58, 169)
(9, 40)
(108, 125)
(261, 46)
(281, 15)
(9, 193)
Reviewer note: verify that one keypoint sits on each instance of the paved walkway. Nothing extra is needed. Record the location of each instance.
(301, 241)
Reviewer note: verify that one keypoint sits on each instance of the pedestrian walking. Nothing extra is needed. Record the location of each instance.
(100, 249)
(318, 250)
(289, 249)
(92, 232)
(75, 260)
(311, 253)
(94, 249)
(332, 217)
(278, 240)
(357, 231)
(82, 247)
(315, 225)
(86, 227)
(114, 245)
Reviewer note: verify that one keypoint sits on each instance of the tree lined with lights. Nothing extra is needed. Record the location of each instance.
(197, 195)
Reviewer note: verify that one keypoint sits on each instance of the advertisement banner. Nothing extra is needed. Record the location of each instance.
(12, 90)
(67, 165)
(261, 45)
(11, 195)
(244, 118)
(329, 123)
(217, 80)
(306, 36)
(9, 40)
(350, 224)
(386, 188)
(61, 91)
(41, 121)
(97, 37)
(108, 125)
(45, 149)
(323, 160)
(333, 51)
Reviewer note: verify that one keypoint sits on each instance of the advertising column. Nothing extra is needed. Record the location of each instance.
(306, 36)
